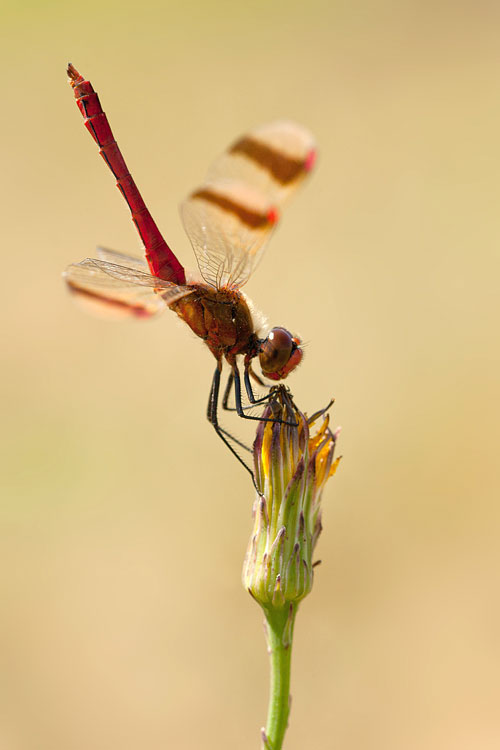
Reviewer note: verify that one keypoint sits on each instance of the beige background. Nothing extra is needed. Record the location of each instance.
(123, 520)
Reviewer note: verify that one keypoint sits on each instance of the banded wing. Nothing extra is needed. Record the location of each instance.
(231, 216)
(109, 287)
(273, 158)
(228, 224)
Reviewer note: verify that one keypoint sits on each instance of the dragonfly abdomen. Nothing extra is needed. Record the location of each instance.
(161, 260)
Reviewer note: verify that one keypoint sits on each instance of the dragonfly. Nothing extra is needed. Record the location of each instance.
(228, 219)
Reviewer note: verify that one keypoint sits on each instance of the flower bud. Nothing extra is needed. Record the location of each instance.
(293, 462)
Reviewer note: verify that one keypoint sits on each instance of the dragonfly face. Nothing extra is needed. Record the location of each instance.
(228, 220)
(279, 354)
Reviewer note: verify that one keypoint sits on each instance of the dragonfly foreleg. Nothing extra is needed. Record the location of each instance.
(239, 406)
(248, 387)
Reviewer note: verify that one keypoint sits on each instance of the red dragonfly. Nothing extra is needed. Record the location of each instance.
(228, 220)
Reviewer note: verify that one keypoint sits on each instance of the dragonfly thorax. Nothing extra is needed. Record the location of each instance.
(221, 318)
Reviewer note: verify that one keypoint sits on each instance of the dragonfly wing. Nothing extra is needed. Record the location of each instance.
(274, 158)
(122, 259)
(120, 265)
(231, 216)
(114, 291)
(228, 223)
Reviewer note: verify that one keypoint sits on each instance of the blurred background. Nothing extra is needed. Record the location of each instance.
(124, 521)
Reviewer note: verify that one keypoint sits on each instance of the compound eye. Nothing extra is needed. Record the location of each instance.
(275, 351)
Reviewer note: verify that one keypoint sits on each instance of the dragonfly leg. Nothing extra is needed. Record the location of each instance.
(251, 397)
(249, 389)
(239, 406)
(248, 365)
(227, 393)
(212, 418)
(225, 399)
(235, 440)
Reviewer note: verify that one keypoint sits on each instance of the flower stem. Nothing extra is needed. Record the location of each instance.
(280, 624)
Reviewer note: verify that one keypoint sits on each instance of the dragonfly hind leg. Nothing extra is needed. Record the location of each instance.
(212, 417)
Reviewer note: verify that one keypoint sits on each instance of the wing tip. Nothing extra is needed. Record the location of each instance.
(310, 160)
(273, 215)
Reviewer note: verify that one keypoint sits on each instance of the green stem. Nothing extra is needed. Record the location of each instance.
(280, 624)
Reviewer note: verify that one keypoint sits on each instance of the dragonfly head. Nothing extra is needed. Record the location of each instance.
(279, 354)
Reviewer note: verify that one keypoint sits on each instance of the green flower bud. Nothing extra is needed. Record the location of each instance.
(292, 465)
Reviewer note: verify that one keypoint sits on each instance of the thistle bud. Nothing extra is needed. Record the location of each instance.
(293, 461)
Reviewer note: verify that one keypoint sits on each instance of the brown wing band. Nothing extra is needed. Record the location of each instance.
(137, 310)
(283, 168)
(251, 218)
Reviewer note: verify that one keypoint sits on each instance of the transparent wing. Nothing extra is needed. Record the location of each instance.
(114, 291)
(122, 259)
(274, 158)
(228, 224)
(231, 216)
